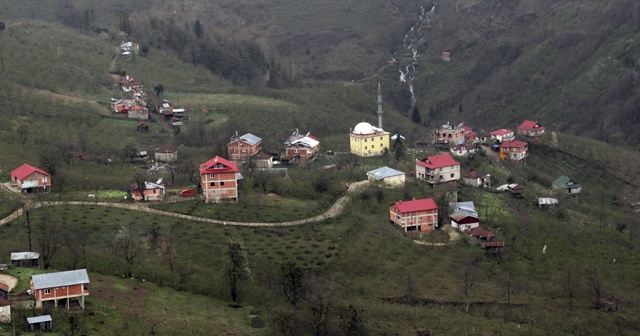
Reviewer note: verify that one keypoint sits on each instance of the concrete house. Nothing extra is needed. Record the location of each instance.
(515, 150)
(300, 148)
(453, 135)
(416, 215)
(242, 148)
(166, 154)
(441, 168)
(531, 129)
(389, 176)
(152, 192)
(477, 179)
(463, 215)
(502, 134)
(219, 180)
(31, 179)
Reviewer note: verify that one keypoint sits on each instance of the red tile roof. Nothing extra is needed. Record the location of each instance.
(208, 167)
(438, 161)
(513, 144)
(25, 170)
(466, 128)
(502, 131)
(417, 205)
(480, 232)
(530, 125)
(475, 174)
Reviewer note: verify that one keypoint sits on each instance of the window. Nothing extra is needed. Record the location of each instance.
(452, 175)
(218, 166)
(213, 192)
(47, 291)
(365, 147)
(212, 184)
(244, 150)
(212, 175)
(373, 146)
(365, 140)
(221, 184)
(233, 156)
(44, 179)
(380, 138)
(244, 157)
(371, 139)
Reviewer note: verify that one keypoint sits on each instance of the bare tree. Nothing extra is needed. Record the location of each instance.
(83, 138)
(129, 244)
(66, 152)
(188, 168)
(139, 183)
(469, 276)
(166, 250)
(595, 282)
(50, 159)
(50, 240)
(349, 161)
(237, 268)
(23, 133)
(261, 179)
(570, 285)
(27, 205)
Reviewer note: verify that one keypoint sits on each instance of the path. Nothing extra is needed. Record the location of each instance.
(333, 211)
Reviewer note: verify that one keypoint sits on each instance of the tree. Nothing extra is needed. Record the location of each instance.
(49, 159)
(197, 29)
(159, 90)
(50, 240)
(23, 133)
(293, 282)
(469, 276)
(129, 243)
(139, 183)
(398, 148)
(415, 115)
(83, 138)
(349, 161)
(125, 22)
(237, 268)
(66, 152)
(353, 325)
(2, 26)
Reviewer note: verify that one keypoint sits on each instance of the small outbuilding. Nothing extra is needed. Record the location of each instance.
(25, 259)
(567, 184)
(166, 154)
(39, 323)
(142, 127)
(390, 176)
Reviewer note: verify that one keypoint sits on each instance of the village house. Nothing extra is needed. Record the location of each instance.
(515, 150)
(471, 138)
(416, 215)
(25, 259)
(453, 135)
(547, 202)
(121, 105)
(477, 179)
(129, 83)
(566, 184)
(242, 148)
(502, 134)
(39, 323)
(481, 234)
(446, 56)
(133, 47)
(152, 192)
(301, 148)
(262, 160)
(30, 179)
(389, 176)
(136, 111)
(60, 287)
(463, 150)
(139, 157)
(166, 154)
(531, 129)
(368, 140)
(463, 215)
(516, 190)
(179, 113)
(483, 136)
(219, 180)
(422, 143)
(441, 168)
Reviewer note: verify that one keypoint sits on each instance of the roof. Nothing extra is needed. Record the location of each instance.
(475, 174)
(466, 128)
(166, 149)
(494, 244)
(463, 206)
(502, 131)
(143, 124)
(438, 161)
(39, 319)
(248, 138)
(384, 172)
(422, 141)
(460, 216)
(262, 156)
(209, 166)
(25, 170)
(513, 144)
(151, 186)
(565, 182)
(305, 141)
(24, 255)
(480, 232)
(416, 205)
(60, 279)
(530, 125)
(547, 200)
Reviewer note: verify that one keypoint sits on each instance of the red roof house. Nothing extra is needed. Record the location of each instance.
(219, 180)
(481, 233)
(502, 134)
(437, 169)
(531, 128)
(31, 179)
(514, 150)
(416, 215)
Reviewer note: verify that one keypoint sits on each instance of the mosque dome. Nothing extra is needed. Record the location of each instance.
(364, 128)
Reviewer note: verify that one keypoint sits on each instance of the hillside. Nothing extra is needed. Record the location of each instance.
(352, 274)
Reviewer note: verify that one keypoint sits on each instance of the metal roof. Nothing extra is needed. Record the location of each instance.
(24, 255)
(60, 279)
(383, 172)
(251, 139)
(39, 319)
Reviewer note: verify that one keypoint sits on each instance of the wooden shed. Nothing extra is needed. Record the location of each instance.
(39, 323)
(25, 259)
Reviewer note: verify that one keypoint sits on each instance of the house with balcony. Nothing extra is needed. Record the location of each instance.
(515, 150)
(437, 169)
(502, 134)
(219, 180)
(416, 215)
(60, 287)
(30, 179)
(453, 135)
(300, 148)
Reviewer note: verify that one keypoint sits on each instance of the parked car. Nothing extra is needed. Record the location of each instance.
(188, 192)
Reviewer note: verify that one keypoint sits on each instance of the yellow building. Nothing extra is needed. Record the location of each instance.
(368, 140)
